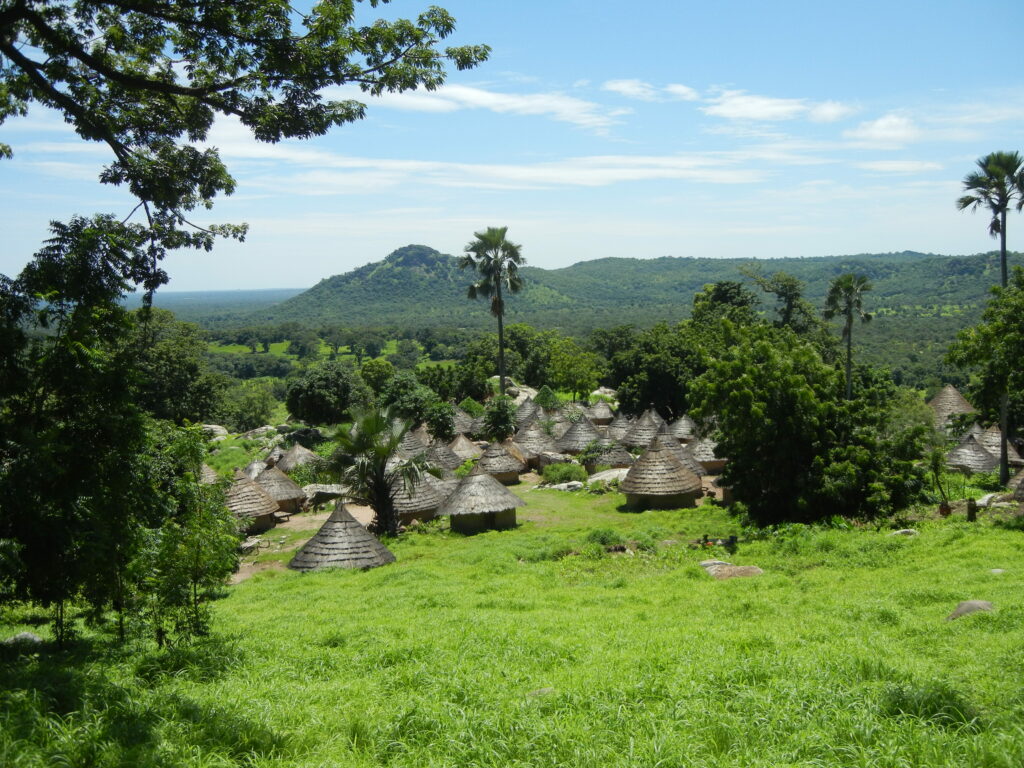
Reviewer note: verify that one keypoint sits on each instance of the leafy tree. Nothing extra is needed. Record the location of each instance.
(406, 397)
(248, 405)
(574, 369)
(659, 368)
(998, 181)
(546, 398)
(365, 343)
(500, 417)
(407, 355)
(441, 379)
(846, 298)
(366, 460)
(472, 407)
(305, 344)
(440, 419)
(377, 373)
(325, 392)
(794, 311)
(335, 337)
(726, 298)
(497, 260)
(994, 348)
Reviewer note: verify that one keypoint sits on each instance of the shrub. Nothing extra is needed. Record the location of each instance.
(564, 473)
(466, 468)
(546, 398)
(472, 407)
(606, 537)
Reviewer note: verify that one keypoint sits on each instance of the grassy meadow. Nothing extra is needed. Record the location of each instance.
(537, 647)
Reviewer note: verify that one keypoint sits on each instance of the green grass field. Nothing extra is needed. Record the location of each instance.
(536, 647)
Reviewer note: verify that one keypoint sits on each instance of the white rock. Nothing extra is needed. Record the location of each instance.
(905, 532)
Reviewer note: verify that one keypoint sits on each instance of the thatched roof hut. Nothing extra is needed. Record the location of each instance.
(600, 413)
(463, 422)
(683, 429)
(577, 437)
(296, 456)
(681, 451)
(703, 450)
(411, 445)
(658, 479)
(620, 426)
(282, 489)
(465, 448)
(341, 542)
(419, 502)
(990, 440)
(513, 449)
(440, 455)
(497, 462)
(251, 505)
(480, 502)
(208, 475)
(971, 456)
(273, 456)
(947, 403)
(643, 430)
(526, 410)
(613, 454)
(532, 442)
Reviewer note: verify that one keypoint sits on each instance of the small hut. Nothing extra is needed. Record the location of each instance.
(497, 462)
(683, 429)
(577, 437)
(600, 413)
(296, 456)
(465, 448)
(341, 542)
(619, 427)
(526, 410)
(443, 457)
(613, 455)
(514, 450)
(703, 450)
(532, 442)
(947, 403)
(643, 430)
(282, 489)
(463, 422)
(274, 456)
(252, 506)
(418, 502)
(991, 439)
(480, 502)
(971, 456)
(254, 468)
(411, 445)
(659, 480)
(682, 452)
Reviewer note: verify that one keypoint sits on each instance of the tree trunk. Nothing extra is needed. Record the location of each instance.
(1002, 248)
(849, 359)
(1004, 419)
(501, 343)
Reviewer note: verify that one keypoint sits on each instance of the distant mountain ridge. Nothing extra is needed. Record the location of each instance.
(419, 286)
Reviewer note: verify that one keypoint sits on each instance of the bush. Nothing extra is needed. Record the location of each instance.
(472, 407)
(465, 468)
(564, 473)
(546, 398)
(606, 537)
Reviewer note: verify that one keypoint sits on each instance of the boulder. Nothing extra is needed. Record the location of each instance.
(214, 430)
(905, 532)
(24, 638)
(721, 570)
(608, 475)
(263, 431)
(572, 485)
(969, 606)
(547, 458)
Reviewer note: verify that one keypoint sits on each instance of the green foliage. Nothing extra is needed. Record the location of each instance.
(659, 368)
(846, 299)
(500, 418)
(377, 373)
(472, 407)
(325, 392)
(407, 355)
(564, 473)
(440, 419)
(998, 182)
(465, 468)
(546, 398)
(247, 405)
(407, 397)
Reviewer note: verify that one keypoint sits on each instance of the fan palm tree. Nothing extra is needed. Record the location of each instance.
(846, 298)
(497, 260)
(998, 181)
(370, 466)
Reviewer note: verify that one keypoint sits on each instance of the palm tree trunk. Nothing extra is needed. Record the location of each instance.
(1004, 423)
(501, 343)
(1002, 248)
(849, 358)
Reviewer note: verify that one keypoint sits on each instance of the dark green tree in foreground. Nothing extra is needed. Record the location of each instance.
(326, 391)
(997, 183)
(497, 260)
(368, 464)
(845, 299)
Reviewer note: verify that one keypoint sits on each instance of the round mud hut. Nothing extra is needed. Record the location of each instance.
(418, 501)
(255, 510)
(658, 480)
(463, 422)
(971, 456)
(443, 457)
(619, 427)
(465, 448)
(341, 542)
(297, 456)
(990, 440)
(497, 462)
(683, 429)
(643, 430)
(682, 452)
(947, 403)
(600, 413)
(577, 437)
(532, 442)
(703, 450)
(480, 502)
(282, 489)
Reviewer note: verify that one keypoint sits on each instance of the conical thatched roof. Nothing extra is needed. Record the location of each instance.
(279, 486)
(990, 440)
(600, 412)
(620, 426)
(496, 460)
(659, 473)
(208, 475)
(477, 494)
(411, 445)
(513, 449)
(424, 496)
(976, 430)
(704, 449)
(247, 499)
(533, 441)
(463, 421)
(972, 456)
(341, 542)
(296, 456)
(682, 452)
(440, 455)
(577, 437)
(464, 448)
(614, 454)
(683, 428)
(526, 410)
(1015, 481)
(643, 430)
(948, 402)
(321, 493)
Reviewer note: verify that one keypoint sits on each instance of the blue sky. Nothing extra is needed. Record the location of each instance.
(728, 129)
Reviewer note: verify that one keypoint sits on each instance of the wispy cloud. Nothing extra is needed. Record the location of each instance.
(643, 91)
(743, 106)
(888, 132)
(899, 166)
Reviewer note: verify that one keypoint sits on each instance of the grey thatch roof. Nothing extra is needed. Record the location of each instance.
(704, 449)
(208, 475)
(614, 454)
(526, 410)
(600, 411)
(296, 456)
(279, 486)
(683, 428)
(948, 402)
(422, 497)
(658, 472)
(533, 440)
(990, 440)
(463, 421)
(440, 455)
(478, 493)
(411, 445)
(513, 449)
(577, 437)
(976, 430)
(464, 448)
(341, 542)
(643, 430)
(247, 499)
(496, 460)
(681, 452)
(1015, 481)
(972, 456)
(620, 426)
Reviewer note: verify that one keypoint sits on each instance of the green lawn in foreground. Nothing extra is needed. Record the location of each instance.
(534, 647)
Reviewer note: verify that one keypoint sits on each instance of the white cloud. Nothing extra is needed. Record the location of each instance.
(643, 91)
(892, 130)
(683, 92)
(830, 112)
(899, 166)
(749, 107)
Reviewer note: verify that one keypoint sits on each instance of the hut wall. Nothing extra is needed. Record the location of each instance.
(506, 519)
(675, 501)
(469, 524)
(506, 478)
(422, 516)
(713, 467)
(260, 524)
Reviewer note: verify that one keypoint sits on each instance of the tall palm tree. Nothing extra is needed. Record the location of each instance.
(370, 466)
(846, 298)
(498, 261)
(998, 181)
